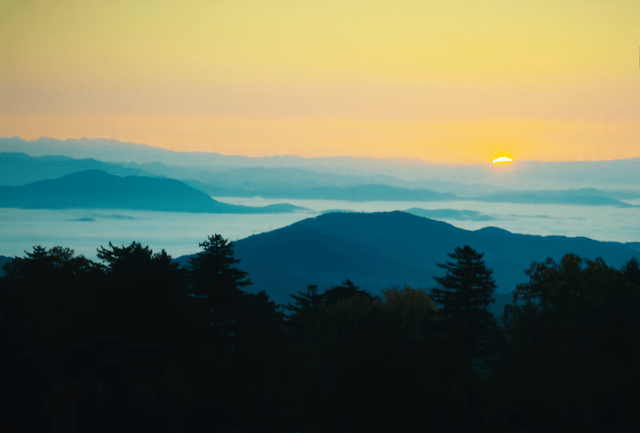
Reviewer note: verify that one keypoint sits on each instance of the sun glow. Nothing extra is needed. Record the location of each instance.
(502, 160)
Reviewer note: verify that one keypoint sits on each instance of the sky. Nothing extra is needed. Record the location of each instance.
(443, 81)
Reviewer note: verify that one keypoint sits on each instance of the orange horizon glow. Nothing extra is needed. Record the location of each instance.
(440, 81)
(338, 137)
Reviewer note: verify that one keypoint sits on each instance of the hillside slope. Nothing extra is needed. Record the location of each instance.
(379, 250)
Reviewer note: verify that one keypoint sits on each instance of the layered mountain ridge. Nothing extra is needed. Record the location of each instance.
(96, 189)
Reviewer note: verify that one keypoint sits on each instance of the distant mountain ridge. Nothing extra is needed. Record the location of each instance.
(520, 174)
(119, 151)
(93, 189)
(579, 197)
(583, 196)
(453, 214)
(18, 168)
(295, 183)
(354, 193)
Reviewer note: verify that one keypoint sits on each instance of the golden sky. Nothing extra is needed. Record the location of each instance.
(442, 80)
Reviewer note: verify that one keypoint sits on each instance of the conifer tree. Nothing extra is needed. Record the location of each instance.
(468, 289)
(217, 282)
(145, 288)
(308, 301)
(631, 271)
(307, 363)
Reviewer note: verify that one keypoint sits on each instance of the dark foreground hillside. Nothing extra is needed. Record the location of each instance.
(136, 343)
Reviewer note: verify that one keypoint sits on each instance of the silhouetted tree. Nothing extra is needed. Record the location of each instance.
(50, 267)
(214, 278)
(382, 349)
(313, 334)
(631, 271)
(122, 344)
(307, 301)
(230, 317)
(344, 291)
(408, 297)
(468, 290)
(261, 345)
(582, 329)
(46, 306)
(143, 336)
(146, 288)
(408, 306)
(553, 285)
(306, 312)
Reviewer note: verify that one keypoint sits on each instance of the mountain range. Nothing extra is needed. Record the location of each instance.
(20, 169)
(381, 250)
(295, 183)
(96, 189)
(614, 174)
(375, 250)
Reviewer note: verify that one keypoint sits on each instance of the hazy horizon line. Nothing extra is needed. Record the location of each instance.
(403, 159)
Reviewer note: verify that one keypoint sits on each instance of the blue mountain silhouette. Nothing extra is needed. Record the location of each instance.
(381, 250)
(92, 189)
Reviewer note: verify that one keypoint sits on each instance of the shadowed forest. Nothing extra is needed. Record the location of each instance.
(137, 343)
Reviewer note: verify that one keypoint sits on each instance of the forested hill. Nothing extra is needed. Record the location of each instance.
(381, 250)
(136, 343)
(92, 189)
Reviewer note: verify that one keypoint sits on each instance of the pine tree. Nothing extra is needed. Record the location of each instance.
(310, 300)
(145, 288)
(307, 339)
(218, 283)
(631, 271)
(468, 289)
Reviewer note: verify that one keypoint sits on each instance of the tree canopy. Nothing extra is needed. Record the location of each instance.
(631, 271)
(138, 343)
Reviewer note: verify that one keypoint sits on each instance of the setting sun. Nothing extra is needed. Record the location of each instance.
(502, 158)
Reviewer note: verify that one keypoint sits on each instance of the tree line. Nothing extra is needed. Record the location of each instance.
(137, 343)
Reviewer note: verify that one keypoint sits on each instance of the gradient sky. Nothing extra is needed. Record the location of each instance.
(444, 81)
